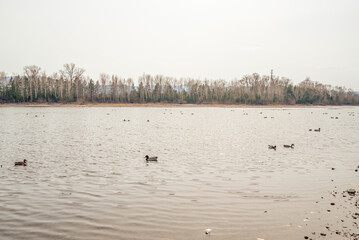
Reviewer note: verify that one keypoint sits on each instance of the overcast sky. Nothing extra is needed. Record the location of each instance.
(185, 38)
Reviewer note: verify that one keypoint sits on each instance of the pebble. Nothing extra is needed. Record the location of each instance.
(345, 231)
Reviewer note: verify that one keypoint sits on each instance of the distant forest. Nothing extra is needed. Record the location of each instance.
(70, 85)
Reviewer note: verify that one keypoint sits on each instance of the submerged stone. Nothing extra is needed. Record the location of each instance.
(351, 191)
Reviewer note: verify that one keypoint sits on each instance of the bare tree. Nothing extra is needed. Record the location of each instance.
(32, 72)
(104, 78)
(72, 73)
(115, 88)
(250, 89)
(2, 84)
(43, 85)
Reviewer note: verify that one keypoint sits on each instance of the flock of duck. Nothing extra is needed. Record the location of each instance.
(292, 145)
(285, 145)
(154, 159)
(315, 130)
(147, 158)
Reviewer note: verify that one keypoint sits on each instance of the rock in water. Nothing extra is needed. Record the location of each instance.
(351, 191)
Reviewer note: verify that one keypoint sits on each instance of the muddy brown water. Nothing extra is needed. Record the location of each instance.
(86, 176)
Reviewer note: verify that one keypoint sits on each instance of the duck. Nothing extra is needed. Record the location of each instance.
(23, 163)
(272, 147)
(288, 146)
(150, 159)
(317, 130)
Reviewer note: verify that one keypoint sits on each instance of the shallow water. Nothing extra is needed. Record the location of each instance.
(87, 179)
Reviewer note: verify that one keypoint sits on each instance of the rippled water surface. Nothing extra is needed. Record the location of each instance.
(87, 179)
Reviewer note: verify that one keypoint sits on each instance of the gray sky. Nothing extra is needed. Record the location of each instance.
(185, 38)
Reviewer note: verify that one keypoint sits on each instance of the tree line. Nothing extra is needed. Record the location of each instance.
(71, 85)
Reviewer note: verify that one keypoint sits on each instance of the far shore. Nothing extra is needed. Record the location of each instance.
(90, 104)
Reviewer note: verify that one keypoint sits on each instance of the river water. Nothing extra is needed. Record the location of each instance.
(86, 176)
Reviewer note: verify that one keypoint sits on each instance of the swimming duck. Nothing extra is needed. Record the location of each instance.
(288, 146)
(23, 163)
(150, 159)
(317, 130)
(272, 147)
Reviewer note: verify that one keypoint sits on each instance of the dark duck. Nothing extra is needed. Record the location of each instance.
(150, 159)
(23, 163)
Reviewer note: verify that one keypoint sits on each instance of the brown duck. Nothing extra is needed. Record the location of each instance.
(150, 159)
(272, 147)
(23, 163)
(288, 146)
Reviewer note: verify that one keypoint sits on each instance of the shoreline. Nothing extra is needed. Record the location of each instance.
(167, 105)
